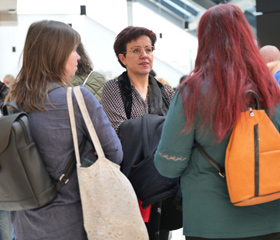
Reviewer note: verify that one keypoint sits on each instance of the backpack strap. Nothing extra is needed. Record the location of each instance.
(15, 109)
(70, 167)
(54, 86)
(207, 156)
(209, 159)
(7, 111)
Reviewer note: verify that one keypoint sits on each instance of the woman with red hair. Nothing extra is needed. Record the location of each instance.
(205, 109)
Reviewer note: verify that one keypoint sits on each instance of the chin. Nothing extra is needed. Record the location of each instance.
(145, 71)
(71, 75)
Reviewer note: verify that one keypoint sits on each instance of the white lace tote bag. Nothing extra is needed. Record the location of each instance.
(109, 203)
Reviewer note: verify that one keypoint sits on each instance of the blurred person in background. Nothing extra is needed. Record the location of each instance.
(85, 75)
(9, 80)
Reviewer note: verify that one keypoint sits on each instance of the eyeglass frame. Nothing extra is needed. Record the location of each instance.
(153, 49)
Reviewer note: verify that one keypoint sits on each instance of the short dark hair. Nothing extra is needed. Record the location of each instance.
(129, 34)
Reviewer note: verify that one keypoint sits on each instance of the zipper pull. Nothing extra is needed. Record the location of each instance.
(251, 112)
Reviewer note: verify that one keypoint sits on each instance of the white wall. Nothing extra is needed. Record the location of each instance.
(177, 47)
(174, 55)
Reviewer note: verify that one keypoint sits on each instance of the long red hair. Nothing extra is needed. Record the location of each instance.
(228, 64)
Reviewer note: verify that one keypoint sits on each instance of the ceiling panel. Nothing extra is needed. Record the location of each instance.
(8, 12)
(188, 12)
(8, 5)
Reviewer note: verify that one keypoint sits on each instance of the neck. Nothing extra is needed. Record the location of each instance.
(141, 81)
(141, 84)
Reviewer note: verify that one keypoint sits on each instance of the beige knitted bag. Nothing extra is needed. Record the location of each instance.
(109, 203)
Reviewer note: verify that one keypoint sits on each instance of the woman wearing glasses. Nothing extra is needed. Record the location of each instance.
(135, 92)
(134, 47)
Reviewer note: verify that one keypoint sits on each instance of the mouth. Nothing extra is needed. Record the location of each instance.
(144, 63)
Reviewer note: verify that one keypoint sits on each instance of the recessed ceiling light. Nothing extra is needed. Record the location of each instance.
(12, 11)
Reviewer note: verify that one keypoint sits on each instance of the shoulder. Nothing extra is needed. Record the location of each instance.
(112, 82)
(90, 100)
(78, 80)
(111, 92)
(176, 102)
(98, 76)
(277, 74)
(111, 85)
(87, 93)
(169, 90)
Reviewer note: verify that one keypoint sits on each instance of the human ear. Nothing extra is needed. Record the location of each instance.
(122, 58)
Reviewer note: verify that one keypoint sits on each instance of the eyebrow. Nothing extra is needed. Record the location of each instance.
(145, 46)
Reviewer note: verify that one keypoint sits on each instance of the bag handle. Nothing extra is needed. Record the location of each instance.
(209, 159)
(73, 125)
(91, 129)
(6, 111)
(70, 167)
(258, 105)
(79, 96)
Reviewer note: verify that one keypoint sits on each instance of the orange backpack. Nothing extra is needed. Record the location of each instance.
(252, 161)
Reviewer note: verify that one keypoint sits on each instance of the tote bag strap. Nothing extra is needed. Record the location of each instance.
(87, 119)
(73, 125)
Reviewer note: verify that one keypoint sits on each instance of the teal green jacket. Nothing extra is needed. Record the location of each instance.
(207, 210)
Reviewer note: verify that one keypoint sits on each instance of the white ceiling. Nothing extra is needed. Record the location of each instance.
(7, 5)
(8, 9)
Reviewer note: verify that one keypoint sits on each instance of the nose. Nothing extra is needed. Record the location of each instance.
(143, 53)
(78, 56)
